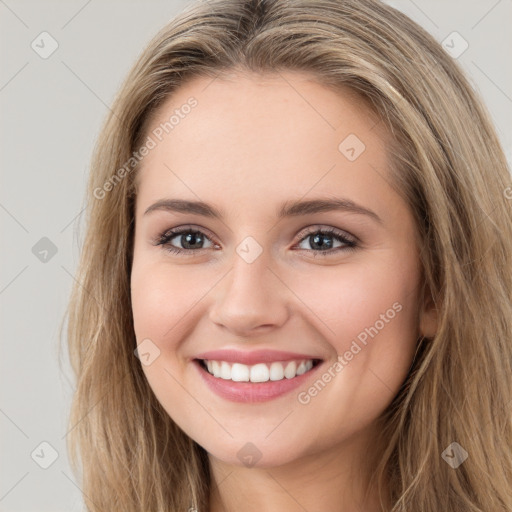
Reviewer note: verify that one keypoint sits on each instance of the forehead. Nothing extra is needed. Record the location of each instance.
(263, 135)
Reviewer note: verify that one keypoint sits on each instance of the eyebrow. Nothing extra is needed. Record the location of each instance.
(292, 208)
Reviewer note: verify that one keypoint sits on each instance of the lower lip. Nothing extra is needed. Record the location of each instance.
(253, 391)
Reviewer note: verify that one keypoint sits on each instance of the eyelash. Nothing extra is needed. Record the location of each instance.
(164, 240)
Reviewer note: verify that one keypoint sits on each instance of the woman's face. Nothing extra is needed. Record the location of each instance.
(298, 273)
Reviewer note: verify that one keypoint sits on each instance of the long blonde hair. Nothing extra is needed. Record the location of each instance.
(447, 164)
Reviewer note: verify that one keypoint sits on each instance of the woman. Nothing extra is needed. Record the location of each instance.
(340, 337)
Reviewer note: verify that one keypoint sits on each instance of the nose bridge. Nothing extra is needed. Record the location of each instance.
(251, 296)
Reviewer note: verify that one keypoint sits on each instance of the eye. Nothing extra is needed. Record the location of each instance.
(191, 240)
(321, 241)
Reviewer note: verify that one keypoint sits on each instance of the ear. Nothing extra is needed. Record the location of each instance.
(428, 317)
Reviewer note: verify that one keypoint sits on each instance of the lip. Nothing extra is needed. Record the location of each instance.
(251, 392)
(253, 357)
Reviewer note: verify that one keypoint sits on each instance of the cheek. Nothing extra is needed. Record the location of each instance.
(163, 298)
(368, 314)
(349, 298)
(369, 317)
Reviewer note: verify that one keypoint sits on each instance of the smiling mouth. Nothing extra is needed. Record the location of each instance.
(257, 373)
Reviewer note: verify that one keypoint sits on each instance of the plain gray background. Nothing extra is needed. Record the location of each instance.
(51, 112)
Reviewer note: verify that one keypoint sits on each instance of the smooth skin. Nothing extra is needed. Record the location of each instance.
(252, 143)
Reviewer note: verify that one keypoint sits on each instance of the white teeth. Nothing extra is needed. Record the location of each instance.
(276, 371)
(260, 372)
(291, 370)
(302, 368)
(216, 368)
(225, 370)
(240, 372)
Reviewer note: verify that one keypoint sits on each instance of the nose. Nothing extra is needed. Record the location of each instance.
(251, 299)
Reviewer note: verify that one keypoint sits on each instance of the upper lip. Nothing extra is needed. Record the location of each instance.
(252, 357)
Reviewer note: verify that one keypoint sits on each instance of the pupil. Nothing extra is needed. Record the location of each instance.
(190, 239)
(320, 240)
